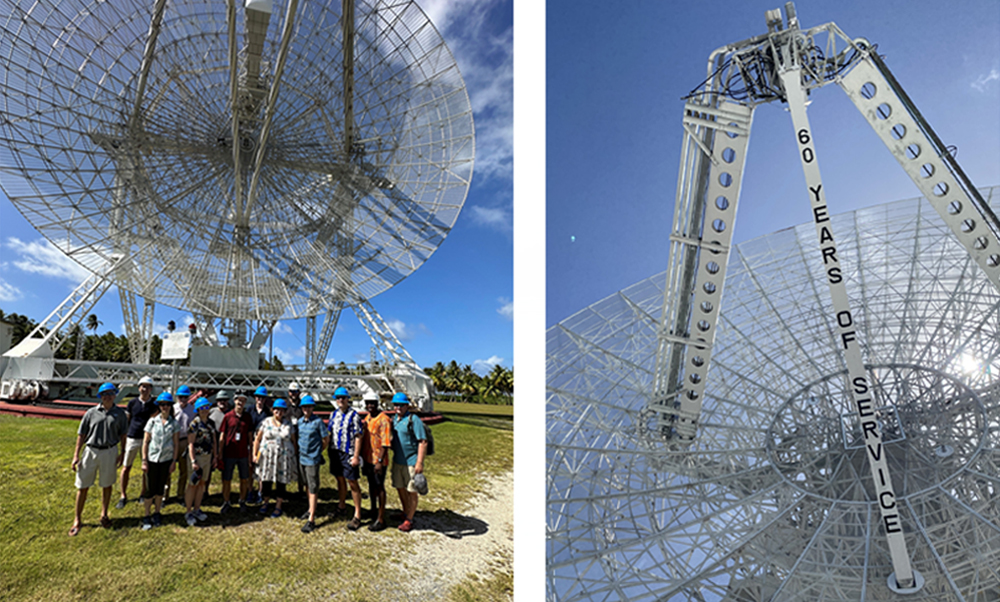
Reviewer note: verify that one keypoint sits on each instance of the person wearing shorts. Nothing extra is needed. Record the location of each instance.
(203, 448)
(345, 438)
(376, 441)
(139, 410)
(313, 439)
(408, 451)
(102, 430)
(235, 437)
(183, 413)
(160, 448)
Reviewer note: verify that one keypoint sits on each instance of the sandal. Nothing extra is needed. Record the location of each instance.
(106, 522)
(74, 530)
(276, 513)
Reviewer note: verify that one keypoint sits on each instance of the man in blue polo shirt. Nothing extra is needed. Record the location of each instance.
(409, 446)
(102, 429)
(313, 439)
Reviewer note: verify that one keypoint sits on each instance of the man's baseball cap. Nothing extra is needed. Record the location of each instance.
(107, 388)
(146, 380)
(401, 398)
(307, 400)
(164, 398)
(196, 475)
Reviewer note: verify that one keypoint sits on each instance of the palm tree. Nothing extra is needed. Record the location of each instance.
(93, 323)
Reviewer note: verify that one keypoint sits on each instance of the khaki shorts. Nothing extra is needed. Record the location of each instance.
(402, 477)
(93, 461)
(132, 448)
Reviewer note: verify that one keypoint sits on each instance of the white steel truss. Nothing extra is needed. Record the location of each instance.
(773, 500)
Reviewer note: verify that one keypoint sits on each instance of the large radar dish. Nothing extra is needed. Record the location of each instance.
(223, 157)
(773, 500)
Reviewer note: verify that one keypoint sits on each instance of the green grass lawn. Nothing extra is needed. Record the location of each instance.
(236, 557)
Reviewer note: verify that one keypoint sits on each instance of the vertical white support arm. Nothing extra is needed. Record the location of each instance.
(858, 379)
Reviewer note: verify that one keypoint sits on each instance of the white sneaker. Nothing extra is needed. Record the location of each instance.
(200, 515)
(190, 518)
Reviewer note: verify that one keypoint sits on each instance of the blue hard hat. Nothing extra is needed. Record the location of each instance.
(183, 391)
(307, 401)
(341, 392)
(261, 391)
(401, 398)
(202, 404)
(165, 397)
(279, 404)
(107, 388)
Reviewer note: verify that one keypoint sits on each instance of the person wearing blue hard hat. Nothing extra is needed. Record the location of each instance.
(203, 449)
(160, 449)
(138, 410)
(313, 439)
(409, 446)
(345, 454)
(102, 430)
(276, 456)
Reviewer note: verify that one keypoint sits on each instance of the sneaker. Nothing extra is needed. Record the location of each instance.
(263, 508)
(376, 526)
(406, 526)
(354, 524)
(224, 508)
(147, 524)
(157, 519)
(121, 503)
(191, 519)
(276, 513)
(305, 515)
(200, 515)
(244, 507)
(309, 527)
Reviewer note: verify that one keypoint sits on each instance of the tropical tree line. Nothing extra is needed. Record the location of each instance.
(462, 383)
(456, 382)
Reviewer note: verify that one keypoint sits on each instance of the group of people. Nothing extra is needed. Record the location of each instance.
(270, 444)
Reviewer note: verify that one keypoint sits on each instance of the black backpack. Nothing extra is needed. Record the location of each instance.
(430, 436)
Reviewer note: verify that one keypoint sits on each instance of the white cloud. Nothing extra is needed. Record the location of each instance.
(486, 60)
(403, 332)
(9, 292)
(982, 80)
(506, 308)
(282, 328)
(498, 219)
(42, 257)
(484, 366)
(290, 357)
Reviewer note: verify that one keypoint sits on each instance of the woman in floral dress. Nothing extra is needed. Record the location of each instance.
(276, 456)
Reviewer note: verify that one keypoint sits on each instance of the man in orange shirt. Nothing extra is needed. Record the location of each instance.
(376, 439)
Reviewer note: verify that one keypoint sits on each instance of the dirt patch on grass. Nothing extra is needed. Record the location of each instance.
(475, 543)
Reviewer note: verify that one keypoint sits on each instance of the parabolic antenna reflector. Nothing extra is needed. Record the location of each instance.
(229, 156)
(774, 500)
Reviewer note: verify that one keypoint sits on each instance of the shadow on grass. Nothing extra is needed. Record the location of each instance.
(450, 524)
(505, 423)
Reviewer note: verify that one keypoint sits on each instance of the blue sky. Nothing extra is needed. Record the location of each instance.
(613, 120)
(458, 305)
